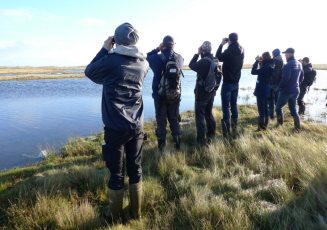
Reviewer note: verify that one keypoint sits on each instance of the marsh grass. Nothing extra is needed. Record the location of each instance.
(276, 179)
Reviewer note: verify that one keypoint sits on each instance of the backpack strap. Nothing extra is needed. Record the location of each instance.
(207, 58)
(163, 58)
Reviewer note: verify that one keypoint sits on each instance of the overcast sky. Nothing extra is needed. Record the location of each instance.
(70, 33)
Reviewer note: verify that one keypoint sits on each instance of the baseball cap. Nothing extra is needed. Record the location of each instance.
(289, 50)
(168, 41)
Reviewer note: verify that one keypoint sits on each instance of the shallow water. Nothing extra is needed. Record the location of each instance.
(20, 74)
(47, 112)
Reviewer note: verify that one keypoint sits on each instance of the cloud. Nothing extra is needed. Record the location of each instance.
(6, 44)
(92, 22)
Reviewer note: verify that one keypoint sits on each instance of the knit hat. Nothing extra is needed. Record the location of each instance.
(306, 59)
(168, 41)
(206, 46)
(276, 52)
(126, 34)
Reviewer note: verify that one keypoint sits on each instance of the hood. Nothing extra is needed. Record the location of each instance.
(279, 58)
(131, 51)
(236, 48)
(308, 66)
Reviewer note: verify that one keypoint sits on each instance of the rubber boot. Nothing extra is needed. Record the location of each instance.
(280, 119)
(234, 127)
(266, 123)
(261, 123)
(301, 111)
(161, 142)
(135, 196)
(177, 141)
(225, 124)
(272, 114)
(115, 207)
(297, 123)
(210, 137)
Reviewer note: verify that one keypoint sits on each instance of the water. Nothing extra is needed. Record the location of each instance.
(37, 113)
(20, 74)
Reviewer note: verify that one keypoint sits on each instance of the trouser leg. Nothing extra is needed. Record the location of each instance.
(233, 102)
(199, 121)
(161, 116)
(225, 101)
(210, 120)
(300, 100)
(174, 116)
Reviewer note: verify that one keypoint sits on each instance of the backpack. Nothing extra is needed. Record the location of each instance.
(312, 78)
(170, 80)
(212, 81)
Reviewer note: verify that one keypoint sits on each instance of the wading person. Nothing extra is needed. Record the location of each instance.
(232, 59)
(166, 86)
(279, 65)
(289, 88)
(121, 71)
(262, 89)
(204, 98)
(307, 69)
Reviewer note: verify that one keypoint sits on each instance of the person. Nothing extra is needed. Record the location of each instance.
(307, 69)
(203, 99)
(121, 71)
(289, 88)
(165, 108)
(279, 65)
(262, 89)
(232, 59)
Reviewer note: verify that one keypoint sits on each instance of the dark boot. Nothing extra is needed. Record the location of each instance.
(161, 142)
(261, 124)
(210, 137)
(266, 122)
(135, 196)
(280, 119)
(115, 207)
(177, 141)
(297, 123)
(234, 126)
(301, 111)
(272, 114)
(225, 124)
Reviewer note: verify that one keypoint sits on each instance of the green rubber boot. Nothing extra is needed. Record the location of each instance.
(135, 196)
(115, 204)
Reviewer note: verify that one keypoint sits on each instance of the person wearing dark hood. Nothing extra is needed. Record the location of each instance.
(203, 99)
(289, 88)
(307, 69)
(166, 106)
(121, 71)
(232, 59)
(275, 80)
(262, 88)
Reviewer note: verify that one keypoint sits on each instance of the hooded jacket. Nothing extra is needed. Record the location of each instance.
(262, 88)
(121, 73)
(307, 70)
(202, 68)
(279, 70)
(232, 59)
(291, 78)
(156, 65)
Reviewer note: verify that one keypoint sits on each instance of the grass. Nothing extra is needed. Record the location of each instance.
(38, 77)
(275, 179)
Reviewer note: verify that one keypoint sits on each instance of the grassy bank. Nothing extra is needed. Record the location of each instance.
(27, 77)
(276, 179)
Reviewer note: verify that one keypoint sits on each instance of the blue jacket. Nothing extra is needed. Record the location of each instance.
(265, 73)
(291, 78)
(122, 79)
(307, 70)
(156, 64)
(202, 68)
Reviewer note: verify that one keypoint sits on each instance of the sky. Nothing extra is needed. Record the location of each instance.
(70, 33)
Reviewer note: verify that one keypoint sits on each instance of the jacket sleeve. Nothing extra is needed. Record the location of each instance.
(301, 77)
(97, 70)
(221, 56)
(151, 53)
(287, 71)
(256, 71)
(151, 57)
(194, 64)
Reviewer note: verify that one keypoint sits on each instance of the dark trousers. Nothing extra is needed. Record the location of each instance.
(229, 94)
(273, 102)
(300, 102)
(203, 111)
(262, 104)
(113, 155)
(167, 109)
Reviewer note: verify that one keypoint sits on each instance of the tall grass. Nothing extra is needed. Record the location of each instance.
(276, 179)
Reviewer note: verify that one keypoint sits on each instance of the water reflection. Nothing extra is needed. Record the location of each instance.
(44, 112)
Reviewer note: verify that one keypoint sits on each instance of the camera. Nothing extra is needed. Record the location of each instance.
(226, 40)
(113, 40)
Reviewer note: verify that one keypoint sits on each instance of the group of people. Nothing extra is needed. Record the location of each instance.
(121, 71)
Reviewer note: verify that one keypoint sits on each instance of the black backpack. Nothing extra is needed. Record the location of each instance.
(212, 81)
(312, 77)
(170, 82)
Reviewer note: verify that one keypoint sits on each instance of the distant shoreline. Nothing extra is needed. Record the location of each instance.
(25, 73)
